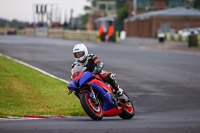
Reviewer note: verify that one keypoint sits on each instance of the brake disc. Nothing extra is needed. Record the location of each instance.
(97, 109)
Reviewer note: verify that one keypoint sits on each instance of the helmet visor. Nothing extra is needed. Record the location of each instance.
(79, 54)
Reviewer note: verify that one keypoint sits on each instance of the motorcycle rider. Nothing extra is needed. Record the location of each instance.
(94, 65)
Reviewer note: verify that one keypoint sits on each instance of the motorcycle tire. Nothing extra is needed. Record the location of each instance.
(93, 111)
(127, 112)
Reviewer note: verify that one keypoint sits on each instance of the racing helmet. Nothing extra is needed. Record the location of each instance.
(80, 52)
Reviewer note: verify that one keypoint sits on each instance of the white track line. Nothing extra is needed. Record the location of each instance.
(33, 67)
(18, 118)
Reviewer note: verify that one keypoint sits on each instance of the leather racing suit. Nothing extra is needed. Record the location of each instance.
(94, 65)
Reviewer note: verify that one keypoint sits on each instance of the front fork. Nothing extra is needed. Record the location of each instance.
(93, 97)
(92, 94)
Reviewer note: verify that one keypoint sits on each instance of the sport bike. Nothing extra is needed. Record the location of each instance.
(98, 98)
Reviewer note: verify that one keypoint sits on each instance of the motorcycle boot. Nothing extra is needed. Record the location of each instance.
(110, 78)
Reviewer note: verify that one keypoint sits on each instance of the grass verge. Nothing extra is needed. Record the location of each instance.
(25, 91)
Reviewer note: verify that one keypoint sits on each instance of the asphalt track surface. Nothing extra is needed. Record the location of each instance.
(164, 85)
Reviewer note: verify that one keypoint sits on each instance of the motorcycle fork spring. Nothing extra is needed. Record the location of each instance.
(94, 97)
(92, 91)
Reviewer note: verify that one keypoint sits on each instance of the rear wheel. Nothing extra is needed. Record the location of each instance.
(91, 108)
(128, 110)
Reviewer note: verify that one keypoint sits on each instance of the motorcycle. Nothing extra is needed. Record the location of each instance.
(97, 98)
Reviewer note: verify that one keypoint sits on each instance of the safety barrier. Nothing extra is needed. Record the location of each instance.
(176, 37)
(194, 41)
(55, 32)
(198, 40)
(81, 35)
(41, 32)
(30, 32)
(5, 31)
(61, 33)
(20, 32)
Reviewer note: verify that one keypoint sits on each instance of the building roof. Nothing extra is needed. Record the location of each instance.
(178, 11)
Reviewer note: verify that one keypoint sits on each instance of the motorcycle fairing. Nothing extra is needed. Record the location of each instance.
(72, 86)
(97, 82)
(86, 76)
(76, 76)
(113, 112)
(108, 103)
(81, 77)
(98, 76)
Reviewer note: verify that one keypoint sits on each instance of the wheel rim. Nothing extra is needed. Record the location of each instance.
(127, 106)
(96, 109)
(128, 109)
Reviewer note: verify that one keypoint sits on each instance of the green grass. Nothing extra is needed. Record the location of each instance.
(25, 91)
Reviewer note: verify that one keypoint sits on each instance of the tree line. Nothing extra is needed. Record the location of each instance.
(13, 23)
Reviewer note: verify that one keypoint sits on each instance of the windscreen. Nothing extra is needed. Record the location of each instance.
(77, 68)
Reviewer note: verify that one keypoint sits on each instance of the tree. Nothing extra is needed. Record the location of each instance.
(13, 23)
(81, 21)
(122, 13)
(197, 4)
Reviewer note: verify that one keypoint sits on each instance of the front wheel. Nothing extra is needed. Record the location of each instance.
(128, 110)
(88, 104)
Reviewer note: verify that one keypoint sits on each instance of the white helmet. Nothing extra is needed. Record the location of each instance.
(80, 52)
